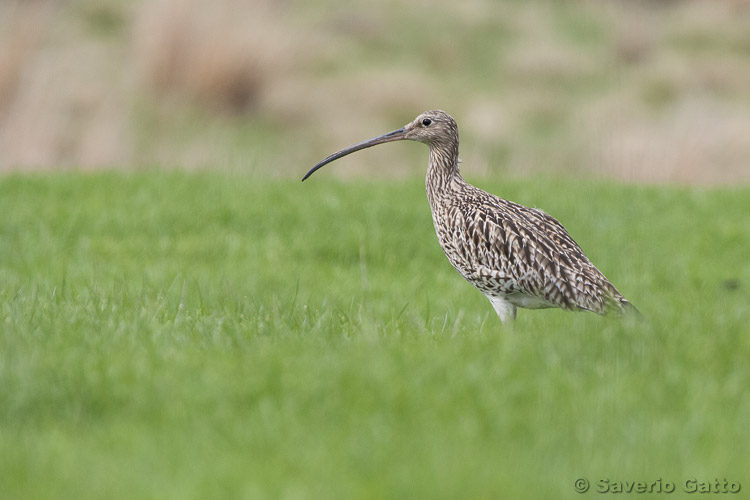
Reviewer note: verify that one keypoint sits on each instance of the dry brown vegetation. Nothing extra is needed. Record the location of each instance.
(640, 91)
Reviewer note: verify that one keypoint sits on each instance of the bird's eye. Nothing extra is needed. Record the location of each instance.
(426, 122)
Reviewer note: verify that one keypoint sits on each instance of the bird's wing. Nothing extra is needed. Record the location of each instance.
(525, 253)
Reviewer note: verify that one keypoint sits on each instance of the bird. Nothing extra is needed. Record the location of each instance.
(518, 257)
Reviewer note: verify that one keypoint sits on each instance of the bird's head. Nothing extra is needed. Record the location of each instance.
(434, 128)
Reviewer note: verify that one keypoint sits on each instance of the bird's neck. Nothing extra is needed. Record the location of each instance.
(442, 173)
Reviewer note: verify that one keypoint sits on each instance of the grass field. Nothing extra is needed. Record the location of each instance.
(191, 336)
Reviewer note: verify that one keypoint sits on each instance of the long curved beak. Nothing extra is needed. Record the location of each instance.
(396, 135)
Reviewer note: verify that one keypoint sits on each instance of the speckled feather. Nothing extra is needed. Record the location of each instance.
(515, 255)
(520, 254)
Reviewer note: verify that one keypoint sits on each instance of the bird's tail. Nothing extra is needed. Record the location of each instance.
(629, 310)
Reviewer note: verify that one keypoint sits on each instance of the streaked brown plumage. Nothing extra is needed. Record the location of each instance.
(515, 255)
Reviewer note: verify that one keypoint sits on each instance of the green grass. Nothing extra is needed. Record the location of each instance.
(180, 336)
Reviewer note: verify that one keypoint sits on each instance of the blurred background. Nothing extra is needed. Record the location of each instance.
(640, 91)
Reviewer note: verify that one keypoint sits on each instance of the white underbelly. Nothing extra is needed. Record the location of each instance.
(527, 301)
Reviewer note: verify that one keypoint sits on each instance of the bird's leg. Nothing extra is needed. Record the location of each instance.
(504, 309)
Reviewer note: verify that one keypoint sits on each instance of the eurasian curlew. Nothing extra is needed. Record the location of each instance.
(515, 255)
